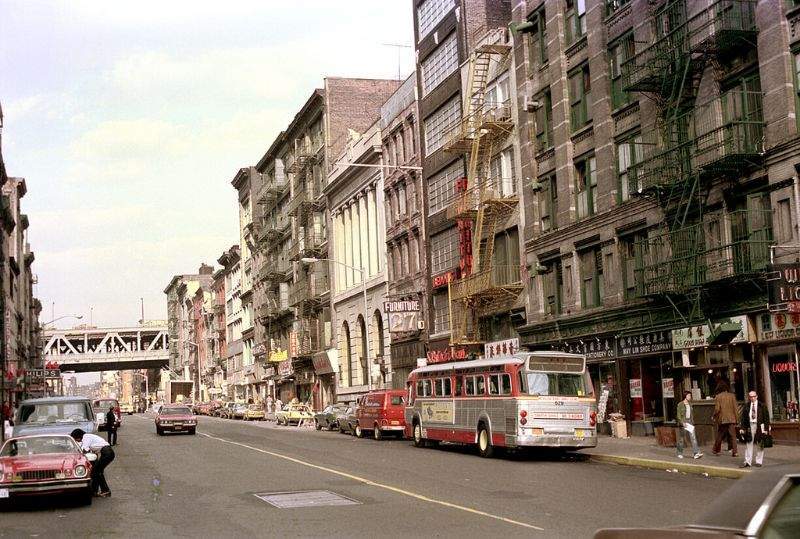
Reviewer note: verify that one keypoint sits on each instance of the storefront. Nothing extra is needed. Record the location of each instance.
(325, 365)
(778, 336)
(304, 379)
(601, 363)
(285, 381)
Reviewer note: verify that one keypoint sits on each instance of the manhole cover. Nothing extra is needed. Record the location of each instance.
(306, 498)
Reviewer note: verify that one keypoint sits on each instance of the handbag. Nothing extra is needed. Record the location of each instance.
(766, 441)
(744, 437)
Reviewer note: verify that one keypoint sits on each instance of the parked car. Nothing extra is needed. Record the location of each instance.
(126, 408)
(44, 464)
(54, 415)
(762, 504)
(381, 412)
(328, 418)
(294, 413)
(238, 411)
(227, 410)
(254, 412)
(101, 406)
(346, 421)
(175, 418)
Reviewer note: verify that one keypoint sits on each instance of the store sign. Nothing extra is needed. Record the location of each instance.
(778, 327)
(668, 388)
(443, 279)
(698, 336)
(259, 349)
(285, 368)
(447, 354)
(322, 363)
(636, 388)
(652, 342)
(784, 366)
(784, 285)
(43, 373)
(594, 348)
(276, 356)
(507, 347)
(403, 315)
(269, 371)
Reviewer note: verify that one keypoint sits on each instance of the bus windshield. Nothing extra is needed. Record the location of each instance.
(560, 384)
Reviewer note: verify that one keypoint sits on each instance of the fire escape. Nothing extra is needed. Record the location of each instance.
(479, 207)
(697, 141)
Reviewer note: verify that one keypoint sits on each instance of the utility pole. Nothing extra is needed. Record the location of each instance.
(399, 47)
(142, 302)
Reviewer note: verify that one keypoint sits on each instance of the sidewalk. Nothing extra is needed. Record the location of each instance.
(643, 451)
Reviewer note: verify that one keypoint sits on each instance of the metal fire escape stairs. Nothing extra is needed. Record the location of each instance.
(478, 207)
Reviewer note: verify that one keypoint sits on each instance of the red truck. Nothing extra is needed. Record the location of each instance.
(381, 412)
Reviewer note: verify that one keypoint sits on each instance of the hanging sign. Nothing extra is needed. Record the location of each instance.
(276, 356)
(698, 336)
(403, 315)
(784, 285)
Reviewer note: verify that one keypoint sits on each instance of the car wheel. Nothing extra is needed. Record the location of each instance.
(359, 433)
(160, 432)
(417, 435)
(332, 426)
(485, 448)
(317, 425)
(341, 429)
(376, 433)
(86, 497)
(192, 431)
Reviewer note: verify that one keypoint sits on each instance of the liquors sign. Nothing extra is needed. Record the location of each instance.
(784, 285)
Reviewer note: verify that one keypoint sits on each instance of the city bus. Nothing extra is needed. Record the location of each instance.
(528, 399)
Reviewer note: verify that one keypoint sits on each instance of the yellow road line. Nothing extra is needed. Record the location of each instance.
(379, 485)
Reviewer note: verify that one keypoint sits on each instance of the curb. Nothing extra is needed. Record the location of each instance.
(653, 464)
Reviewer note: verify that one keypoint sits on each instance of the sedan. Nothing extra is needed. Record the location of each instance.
(239, 411)
(175, 418)
(254, 412)
(44, 464)
(328, 418)
(766, 503)
(347, 420)
(294, 413)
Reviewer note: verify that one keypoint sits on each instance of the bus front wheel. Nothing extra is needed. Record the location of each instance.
(418, 441)
(484, 443)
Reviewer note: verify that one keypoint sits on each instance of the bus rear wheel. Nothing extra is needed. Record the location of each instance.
(417, 435)
(485, 448)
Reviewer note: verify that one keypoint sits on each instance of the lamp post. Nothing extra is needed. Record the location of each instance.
(76, 316)
(363, 272)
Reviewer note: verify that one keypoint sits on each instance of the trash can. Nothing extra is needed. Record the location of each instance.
(666, 435)
(619, 428)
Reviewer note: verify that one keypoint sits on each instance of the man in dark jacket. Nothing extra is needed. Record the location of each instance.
(726, 414)
(111, 425)
(753, 425)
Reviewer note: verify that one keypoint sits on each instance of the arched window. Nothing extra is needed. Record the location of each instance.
(377, 334)
(345, 372)
(362, 351)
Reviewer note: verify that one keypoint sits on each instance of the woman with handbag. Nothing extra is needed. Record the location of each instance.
(755, 428)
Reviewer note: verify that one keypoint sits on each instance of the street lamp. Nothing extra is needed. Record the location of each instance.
(77, 316)
(363, 272)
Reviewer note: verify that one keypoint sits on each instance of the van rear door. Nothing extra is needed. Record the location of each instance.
(394, 408)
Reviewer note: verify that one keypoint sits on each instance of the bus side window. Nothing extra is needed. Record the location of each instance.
(521, 381)
(470, 380)
(480, 385)
(505, 384)
(494, 384)
(420, 392)
(459, 383)
(437, 386)
(427, 388)
(446, 387)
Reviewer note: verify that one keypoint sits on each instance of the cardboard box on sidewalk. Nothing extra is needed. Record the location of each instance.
(619, 428)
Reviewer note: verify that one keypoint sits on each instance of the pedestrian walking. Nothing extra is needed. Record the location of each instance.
(111, 425)
(686, 426)
(726, 414)
(278, 405)
(754, 426)
(269, 404)
(95, 444)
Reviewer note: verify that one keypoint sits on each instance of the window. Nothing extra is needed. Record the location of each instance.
(505, 258)
(548, 203)
(501, 173)
(498, 93)
(576, 20)
(444, 250)
(429, 13)
(629, 152)
(586, 187)
(632, 252)
(402, 200)
(443, 387)
(614, 5)
(580, 88)
(619, 52)
(438, 124)
(474, 385)
(592, 278)
(537, 39)
(441, 313)
(439, 64)
(424, 388)
(543, 117)
(499, 384)
(552, 287)
(442, 186)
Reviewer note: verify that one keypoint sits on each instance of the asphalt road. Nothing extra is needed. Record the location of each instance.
(205, 485)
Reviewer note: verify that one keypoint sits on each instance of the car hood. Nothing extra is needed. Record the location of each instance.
(41, 462)
(53, 428)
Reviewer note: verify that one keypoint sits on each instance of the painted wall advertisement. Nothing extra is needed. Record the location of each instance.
(636, 388)
(438, 412)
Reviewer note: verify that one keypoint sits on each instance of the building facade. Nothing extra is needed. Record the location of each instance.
(231, 273)
(406, 255)
(357, 249)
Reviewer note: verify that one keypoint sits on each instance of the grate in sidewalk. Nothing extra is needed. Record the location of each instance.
(305, 498)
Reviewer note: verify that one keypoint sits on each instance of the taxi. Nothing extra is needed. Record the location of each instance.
(254, 412)
(294, 413)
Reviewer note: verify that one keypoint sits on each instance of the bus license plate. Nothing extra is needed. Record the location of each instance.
(3, 493)
(579, 433)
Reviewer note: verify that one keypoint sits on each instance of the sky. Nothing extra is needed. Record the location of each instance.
(129, 119)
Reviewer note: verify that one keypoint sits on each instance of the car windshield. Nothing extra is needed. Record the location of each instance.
(254, 407)
(104, 404)
(178, 410)
(556, 384)
(53, 412)
(40, 445)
